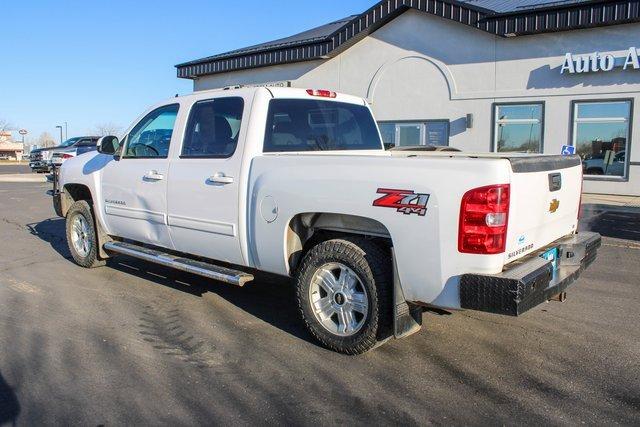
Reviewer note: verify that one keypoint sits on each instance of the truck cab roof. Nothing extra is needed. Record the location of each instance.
(276, 92)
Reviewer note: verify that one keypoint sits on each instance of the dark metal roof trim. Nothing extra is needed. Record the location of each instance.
(578, 16)
(314, 35)
(540, 20)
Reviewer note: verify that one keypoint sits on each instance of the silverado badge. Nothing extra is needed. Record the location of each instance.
(555, 204)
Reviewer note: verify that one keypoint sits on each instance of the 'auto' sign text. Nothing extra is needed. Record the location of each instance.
(597, 62)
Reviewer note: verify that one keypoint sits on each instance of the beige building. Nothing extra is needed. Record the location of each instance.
(537, 76)
(8, 148)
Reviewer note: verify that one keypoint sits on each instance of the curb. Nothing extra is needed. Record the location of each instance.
(22, 178)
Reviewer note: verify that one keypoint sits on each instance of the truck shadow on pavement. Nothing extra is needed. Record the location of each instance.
(618, 224)
(9, 405)
(270, 298)
(52, 231)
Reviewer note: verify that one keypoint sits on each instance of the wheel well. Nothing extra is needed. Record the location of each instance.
(308, 229)
(73, 193)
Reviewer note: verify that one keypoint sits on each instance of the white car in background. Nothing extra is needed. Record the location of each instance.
(81, 145)
(297, 183)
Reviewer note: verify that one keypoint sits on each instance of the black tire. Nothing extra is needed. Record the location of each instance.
(90, 259)
(373, 267)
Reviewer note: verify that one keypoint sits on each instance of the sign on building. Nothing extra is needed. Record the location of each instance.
(596, 62)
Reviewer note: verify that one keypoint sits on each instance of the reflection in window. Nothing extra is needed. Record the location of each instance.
(403, 134)
(518, 128)
(388, 132)
(600, 135)
(152, 135)
(409, 135)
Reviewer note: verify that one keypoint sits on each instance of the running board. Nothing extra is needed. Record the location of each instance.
(223, 274)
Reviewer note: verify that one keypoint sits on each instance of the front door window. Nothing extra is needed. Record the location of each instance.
(151, 137)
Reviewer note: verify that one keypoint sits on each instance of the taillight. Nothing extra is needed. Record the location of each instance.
(321, 93)
(484, 216)
(66, 156)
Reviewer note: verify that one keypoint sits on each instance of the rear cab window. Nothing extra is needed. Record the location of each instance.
(316, 125)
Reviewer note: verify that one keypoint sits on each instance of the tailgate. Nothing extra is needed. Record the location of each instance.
(545, 200)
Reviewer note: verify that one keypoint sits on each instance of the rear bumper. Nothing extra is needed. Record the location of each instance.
(39, 165)
(531, 282)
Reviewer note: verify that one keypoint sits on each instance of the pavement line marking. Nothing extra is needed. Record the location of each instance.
(22, 286)
(22, 178)
(622, 246)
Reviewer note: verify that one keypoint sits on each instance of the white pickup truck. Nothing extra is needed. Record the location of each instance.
(297, 183)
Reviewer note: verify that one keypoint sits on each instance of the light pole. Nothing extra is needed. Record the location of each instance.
(60, 127)
(66, 131)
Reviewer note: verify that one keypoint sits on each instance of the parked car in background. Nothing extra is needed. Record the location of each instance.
(598, 165)
(40, 159)
(83, 145)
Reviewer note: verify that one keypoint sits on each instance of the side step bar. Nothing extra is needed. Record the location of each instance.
(223, 274)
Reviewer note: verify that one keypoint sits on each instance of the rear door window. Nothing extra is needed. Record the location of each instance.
(314, 125)
(213, 128)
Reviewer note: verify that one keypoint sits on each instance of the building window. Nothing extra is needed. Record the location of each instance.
(601, 133)
(518, 127)
(410, 134)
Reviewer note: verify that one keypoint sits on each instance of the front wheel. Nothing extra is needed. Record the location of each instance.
(344, 294)
(81, 235)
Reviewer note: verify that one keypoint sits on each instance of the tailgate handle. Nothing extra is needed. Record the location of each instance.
(555, 181)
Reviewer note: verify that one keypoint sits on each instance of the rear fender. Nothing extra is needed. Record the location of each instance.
(304, 227)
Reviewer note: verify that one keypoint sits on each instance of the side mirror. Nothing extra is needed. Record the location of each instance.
(108, 145)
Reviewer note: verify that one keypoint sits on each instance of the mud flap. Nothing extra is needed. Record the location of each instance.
(55, 192)
(407, 318)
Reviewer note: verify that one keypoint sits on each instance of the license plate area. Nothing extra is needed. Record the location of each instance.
(551, 255)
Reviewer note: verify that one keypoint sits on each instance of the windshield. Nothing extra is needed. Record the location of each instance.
(69, 142)
(314, 125)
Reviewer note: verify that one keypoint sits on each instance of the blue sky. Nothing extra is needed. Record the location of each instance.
(90, 62)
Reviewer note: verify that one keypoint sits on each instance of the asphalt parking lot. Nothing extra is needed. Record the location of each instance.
(8, 169)
(133, 343)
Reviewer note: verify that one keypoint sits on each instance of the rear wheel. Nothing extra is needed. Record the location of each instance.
(344, 294)
(81, 235)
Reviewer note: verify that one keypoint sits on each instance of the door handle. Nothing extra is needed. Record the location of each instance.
(220, 178)
(153, 176)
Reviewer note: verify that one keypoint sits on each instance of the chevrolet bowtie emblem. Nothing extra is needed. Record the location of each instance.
(555, 204)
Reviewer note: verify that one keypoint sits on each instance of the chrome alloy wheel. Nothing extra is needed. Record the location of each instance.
(80, 236)
(338, 299)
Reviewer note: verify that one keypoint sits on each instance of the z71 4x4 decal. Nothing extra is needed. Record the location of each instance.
(405, 201)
